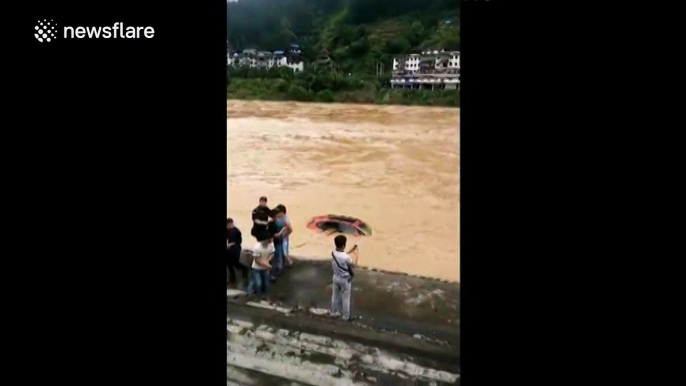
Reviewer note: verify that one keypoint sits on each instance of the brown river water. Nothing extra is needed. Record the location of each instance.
(394, 167)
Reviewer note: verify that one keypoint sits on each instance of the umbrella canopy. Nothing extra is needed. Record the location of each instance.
(340, 224)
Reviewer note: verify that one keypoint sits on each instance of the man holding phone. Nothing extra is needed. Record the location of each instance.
(342, 277)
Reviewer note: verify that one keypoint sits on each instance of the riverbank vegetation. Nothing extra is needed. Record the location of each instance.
(322, 86)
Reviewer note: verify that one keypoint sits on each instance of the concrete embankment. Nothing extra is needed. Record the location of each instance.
(407, 331)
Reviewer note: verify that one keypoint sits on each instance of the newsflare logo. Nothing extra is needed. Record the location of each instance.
(46, 31)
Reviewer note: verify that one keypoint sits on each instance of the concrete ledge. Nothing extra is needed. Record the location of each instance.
(367, 268)
(440, 355)
(246, 259)
(424, 308)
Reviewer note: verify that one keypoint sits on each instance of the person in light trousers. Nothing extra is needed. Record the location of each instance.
(342, 277)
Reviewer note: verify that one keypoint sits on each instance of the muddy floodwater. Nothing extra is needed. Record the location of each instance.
(394, 167)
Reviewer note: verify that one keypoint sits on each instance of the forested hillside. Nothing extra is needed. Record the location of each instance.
(355, 35)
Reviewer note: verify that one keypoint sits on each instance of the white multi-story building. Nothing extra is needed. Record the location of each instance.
(441, 59)
(431, 69)
(296, 67)
(411, 62)
(265, 60)
(454, 61)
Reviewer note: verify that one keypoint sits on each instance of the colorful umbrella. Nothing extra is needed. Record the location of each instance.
(331, 223)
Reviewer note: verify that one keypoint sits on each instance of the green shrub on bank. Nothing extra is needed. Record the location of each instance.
(324, 86)
(325, 96)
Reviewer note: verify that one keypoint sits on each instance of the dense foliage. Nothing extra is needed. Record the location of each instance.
(352, 35)
(323, 86)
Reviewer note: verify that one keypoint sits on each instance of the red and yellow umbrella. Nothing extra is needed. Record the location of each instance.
(332, 223)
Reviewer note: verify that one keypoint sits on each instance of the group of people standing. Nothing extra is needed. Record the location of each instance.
(271, 228)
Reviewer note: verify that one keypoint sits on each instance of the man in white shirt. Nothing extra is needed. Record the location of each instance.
(259, 274)
(342, 277)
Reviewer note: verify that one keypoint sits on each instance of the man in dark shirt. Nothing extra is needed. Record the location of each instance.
(233, 251)
(260, 219)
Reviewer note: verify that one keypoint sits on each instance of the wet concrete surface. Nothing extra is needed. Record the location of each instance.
(407, 331)
(386, 301)
(269, 348)
(427, 352)
(237, 376)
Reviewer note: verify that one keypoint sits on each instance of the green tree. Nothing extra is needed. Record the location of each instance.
(397, 46)
(415, 34)
(359, 48)
(287, 35)
(299, 93)
(325, 96)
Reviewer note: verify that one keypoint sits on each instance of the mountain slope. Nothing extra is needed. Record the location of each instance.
(355, 33)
